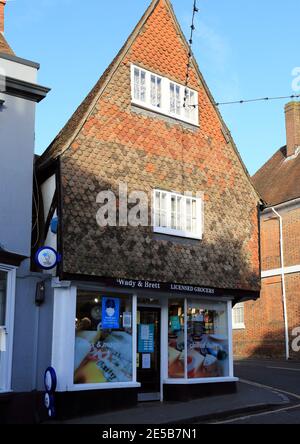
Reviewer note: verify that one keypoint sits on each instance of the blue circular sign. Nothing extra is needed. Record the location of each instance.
(50, 380)
(47, 258)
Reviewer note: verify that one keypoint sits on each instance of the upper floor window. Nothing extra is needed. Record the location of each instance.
(177, 214)
(160, 94)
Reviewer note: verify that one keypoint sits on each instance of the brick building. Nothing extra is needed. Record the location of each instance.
(265, 330)
(147, 298)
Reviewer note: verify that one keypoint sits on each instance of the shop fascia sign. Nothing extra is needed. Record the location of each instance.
(161, 286)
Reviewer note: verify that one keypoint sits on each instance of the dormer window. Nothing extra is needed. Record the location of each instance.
(162, 95)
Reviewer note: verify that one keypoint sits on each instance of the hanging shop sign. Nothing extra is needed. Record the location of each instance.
(47, 258)
(110, 313)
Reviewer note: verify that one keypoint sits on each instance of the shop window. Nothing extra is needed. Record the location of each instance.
(176, 350)
(103, 338)
(238, 317)
(200, 348)
(207, 340)
(177, 215)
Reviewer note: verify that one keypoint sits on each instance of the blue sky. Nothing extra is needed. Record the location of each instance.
(245, 49)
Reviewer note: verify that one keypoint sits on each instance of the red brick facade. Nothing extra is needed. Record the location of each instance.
(264, 334)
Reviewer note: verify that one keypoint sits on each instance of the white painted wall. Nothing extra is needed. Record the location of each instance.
(17, 133)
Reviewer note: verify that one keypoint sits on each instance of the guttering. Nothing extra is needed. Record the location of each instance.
(286, 326)
(282, 205)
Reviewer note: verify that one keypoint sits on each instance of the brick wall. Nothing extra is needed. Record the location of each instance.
(264, 334)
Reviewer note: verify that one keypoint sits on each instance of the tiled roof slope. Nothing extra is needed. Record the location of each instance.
(65, 136)
(278, 180)
(4, 46)
(115, 142)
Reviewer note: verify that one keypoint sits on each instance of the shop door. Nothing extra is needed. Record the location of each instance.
(148, 352)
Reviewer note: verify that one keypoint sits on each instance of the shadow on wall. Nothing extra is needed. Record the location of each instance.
(271, 345)
(222, 260)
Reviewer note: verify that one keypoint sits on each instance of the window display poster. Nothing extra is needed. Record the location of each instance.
(146, 361)
(126, 320)
(110, 313)
(146, 338)
(175, 323)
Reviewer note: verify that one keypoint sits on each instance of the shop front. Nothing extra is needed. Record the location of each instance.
(116, 345)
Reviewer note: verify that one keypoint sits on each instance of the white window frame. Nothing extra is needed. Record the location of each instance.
(173, 232)
(6, 357)
(238, 325)
(165, 97)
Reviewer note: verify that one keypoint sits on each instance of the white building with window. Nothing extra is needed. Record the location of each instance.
(19, 364)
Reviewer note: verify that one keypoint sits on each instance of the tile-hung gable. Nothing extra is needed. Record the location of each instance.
(109, 139)
(201, 236)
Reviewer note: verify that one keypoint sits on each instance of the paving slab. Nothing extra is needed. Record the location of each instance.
(247, 399)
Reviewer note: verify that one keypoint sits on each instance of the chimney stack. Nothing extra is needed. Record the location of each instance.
(292, 120)
(2, 6)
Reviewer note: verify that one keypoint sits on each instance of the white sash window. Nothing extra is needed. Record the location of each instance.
(162, 95)
(177, 215)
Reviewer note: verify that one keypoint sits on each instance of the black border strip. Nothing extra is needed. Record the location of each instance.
(25, 90)
(8, 258)
(164, 287)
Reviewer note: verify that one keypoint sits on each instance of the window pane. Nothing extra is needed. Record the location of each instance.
(173, 212)
(175, 99)
(163, 210)
(188, 215)
(3, 284)
(103, 338)
(178, 104)
(155, 91)
(143, 86)
(179, 214)
(157, 209)
(207, 325)
(172, 98)
(190, 109)
(136, 83)
(176, 350)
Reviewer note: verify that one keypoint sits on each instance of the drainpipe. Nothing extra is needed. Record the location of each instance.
(286, 326)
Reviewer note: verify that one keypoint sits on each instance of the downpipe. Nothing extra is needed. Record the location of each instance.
(286, 325)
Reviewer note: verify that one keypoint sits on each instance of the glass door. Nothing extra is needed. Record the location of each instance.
(148, 352)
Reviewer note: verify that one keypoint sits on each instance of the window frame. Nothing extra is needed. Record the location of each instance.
(238, 325)
(165, 107)
(175, 232)
(6, 364)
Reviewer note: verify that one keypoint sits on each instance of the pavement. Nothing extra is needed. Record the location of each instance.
(248, 399)
(281, 376)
